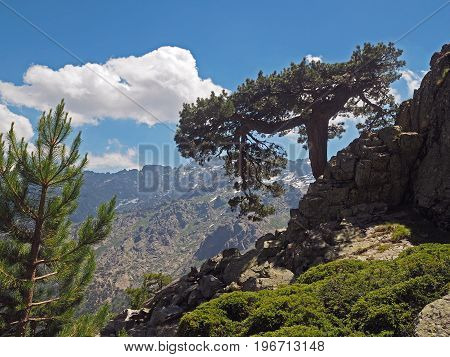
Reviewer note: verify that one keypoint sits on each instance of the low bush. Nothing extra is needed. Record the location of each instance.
(398, 231)
(341, 298)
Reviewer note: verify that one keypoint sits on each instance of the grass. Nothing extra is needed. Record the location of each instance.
(383, 247)
(398, 231)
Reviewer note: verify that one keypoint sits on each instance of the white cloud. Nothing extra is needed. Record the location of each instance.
(22, 125)
(114, 143)
(160, 81)
(311, 58)
(113, 160)
(397, 97)
(412, 80)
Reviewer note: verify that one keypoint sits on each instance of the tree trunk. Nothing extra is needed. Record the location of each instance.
(31, 273)
(317, 130)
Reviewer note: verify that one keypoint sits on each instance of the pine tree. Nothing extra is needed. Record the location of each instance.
(45, 265)
(305, 97)
(152, 283)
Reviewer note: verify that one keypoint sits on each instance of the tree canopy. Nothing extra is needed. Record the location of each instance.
(308, 98)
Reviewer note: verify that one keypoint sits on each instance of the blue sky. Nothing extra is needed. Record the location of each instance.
(225, 42)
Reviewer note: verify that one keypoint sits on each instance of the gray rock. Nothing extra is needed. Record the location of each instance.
(259, 244)
(209, 285)
(429, 114)
(269, 279)
(434, 319)
(195, 298)
(166, 313)
(270, 249)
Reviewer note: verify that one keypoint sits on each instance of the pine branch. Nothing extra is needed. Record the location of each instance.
(34, 319)
(17, 198)
(373, 105)
(45, 276)
(44, 302)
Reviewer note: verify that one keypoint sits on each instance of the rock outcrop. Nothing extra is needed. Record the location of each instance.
(225, 272)
(367, 178)
(275, 261)
(434, 319)
(383, 176)
(403, 164)
(428, 113)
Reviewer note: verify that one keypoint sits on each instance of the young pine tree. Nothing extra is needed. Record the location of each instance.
(153, 282)
(44, 269)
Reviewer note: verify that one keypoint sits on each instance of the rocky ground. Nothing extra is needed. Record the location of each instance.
(264, 267)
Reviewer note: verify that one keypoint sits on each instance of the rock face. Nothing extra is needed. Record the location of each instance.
(226, 236)
(367, 178)
(407, 163)
(380, 177)
(434, 319)
(428, 113)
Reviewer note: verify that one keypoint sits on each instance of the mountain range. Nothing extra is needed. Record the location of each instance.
(169, 219)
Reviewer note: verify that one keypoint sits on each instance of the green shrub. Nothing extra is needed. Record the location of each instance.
(341, 298)
(323, 271)
(206, 321)
(391, 311)
(237, 306)
(268, 318)
(398, 231)
(295, 331)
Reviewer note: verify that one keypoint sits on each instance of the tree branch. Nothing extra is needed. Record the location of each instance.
(34, 319)
(44, 302)
(45, 276)
(368, 102)
(271, 128)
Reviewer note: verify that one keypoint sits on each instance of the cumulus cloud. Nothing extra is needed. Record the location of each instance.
(397, 97)
(311, 58)
(147, 89)
(22, 125)
(412, 80)
(113, 160)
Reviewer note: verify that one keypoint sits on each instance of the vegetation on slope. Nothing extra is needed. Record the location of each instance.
(341, 298)
(152, 283)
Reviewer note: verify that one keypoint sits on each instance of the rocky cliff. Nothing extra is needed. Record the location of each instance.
(397, 174)
(405, 164)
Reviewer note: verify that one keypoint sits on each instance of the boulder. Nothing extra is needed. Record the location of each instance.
(165, 314)
(209, 285)
(434, 319)
(269, 278)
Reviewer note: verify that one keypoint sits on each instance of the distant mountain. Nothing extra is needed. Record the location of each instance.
(169, 219)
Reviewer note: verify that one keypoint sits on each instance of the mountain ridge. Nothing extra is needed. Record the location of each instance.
(174, 225)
